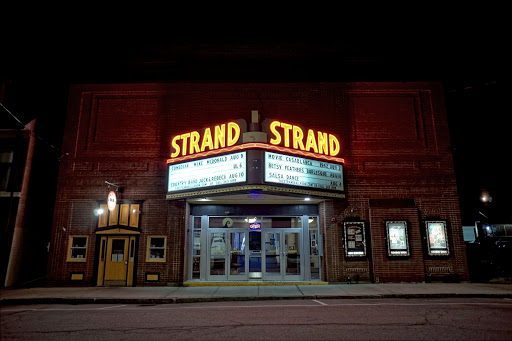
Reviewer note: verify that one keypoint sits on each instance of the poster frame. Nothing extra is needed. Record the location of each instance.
(362, 226)
(437, 251)
(395, 252)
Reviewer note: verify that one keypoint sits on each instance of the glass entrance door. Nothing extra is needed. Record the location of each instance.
(292, 255)
(273, 255)
(228, 255)
(254, 248)
(255, 261)
(217, 266)
(282, 254)
(237, 255)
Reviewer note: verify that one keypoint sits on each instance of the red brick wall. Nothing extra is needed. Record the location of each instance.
(396, 269)
(394, 138)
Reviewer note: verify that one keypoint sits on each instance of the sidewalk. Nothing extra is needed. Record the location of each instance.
(167, 295)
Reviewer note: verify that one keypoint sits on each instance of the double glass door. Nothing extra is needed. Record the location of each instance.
(282, 254)
(242, 254)
(227, 256)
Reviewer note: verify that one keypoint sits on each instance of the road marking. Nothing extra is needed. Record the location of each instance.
(322, 303)
(115, 306)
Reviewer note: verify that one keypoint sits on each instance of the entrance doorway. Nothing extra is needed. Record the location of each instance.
(256, 248)
(283, 254)
(116, 262)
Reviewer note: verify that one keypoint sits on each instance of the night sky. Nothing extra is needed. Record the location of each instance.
(36, 75)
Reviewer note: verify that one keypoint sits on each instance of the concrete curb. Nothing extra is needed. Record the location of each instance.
(176, 300)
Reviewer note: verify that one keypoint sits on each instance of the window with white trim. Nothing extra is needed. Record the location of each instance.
(77, 250)
(156, 249)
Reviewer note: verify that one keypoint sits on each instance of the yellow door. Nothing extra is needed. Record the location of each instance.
(116, 262)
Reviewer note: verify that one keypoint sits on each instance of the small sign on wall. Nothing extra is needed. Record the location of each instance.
(355, 239)
(111, 200)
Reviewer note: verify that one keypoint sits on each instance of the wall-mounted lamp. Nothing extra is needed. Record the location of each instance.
(307, 199)
(485, 196)
(136, 211)
(99, 211)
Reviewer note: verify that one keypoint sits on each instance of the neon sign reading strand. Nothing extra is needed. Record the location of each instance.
(214, 171)
(297, 171)
(294, 137)
(191, 143)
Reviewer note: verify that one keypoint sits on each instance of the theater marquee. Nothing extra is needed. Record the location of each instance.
(214, 171)
(297, 171)
(292, 160)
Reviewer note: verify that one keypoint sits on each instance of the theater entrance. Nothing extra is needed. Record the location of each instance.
(255, 248)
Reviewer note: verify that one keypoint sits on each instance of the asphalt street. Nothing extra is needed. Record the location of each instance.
(316, 319)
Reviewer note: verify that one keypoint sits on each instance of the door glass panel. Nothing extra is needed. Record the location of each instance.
(197, 223)
(217, 253)
(196, 268)
(255, 241)
(272, 253)
(255, 266)
(255, 254)
(292, 250)
(237, 257)
(117, 250)
(196, 255)
(196, 249)
(314, 254)
(103, 249)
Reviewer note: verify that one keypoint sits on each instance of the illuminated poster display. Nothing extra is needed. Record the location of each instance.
(437, 242)
(396, 232)
(214, 171)
(297, 171)
(355, 240)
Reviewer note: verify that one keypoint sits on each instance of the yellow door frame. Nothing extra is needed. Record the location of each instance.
(107, 236)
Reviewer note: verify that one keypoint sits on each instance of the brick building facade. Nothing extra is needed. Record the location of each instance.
(397, 167)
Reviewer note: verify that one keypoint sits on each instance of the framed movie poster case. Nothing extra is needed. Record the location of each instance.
(355, 239)
(437, 238)
(397, 238)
